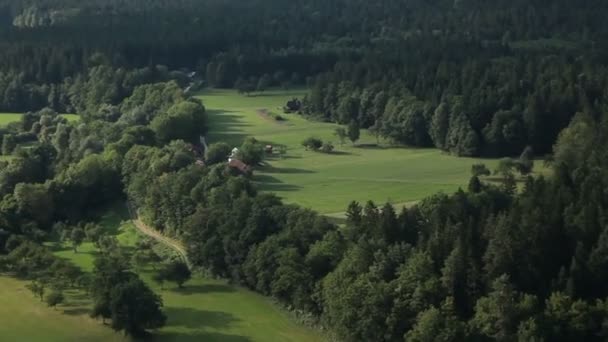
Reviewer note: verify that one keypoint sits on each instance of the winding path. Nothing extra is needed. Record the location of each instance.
(156, 235)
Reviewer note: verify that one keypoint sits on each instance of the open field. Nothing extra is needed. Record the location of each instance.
(328, 182)
(205, 309)
(6, 118)
(25, 318)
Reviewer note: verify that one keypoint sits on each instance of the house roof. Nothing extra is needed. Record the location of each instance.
(237, 164)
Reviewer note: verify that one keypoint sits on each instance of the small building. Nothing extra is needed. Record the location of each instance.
(200, 162)
(234, 153)
(240, 166)
(269, 149)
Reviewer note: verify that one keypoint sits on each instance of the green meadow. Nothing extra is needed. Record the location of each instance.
(328, 182)
(204, 310)
(6, 118)
(25, 318)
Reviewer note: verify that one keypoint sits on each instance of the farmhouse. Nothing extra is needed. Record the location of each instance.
(234, 154)
(240, 166)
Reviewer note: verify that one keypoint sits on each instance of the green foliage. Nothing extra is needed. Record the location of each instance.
(263, 83)
(175, 271)
(327, 147)
(312, 143)
(353, 132)
(185, 120)
(478, 170)
(54, 298)
(437, 324)
(77, 236)
(37, 288)
(120, 295)
(217, 153)
(499, 315)
(341, 134)
(9, 143)
(135, 308)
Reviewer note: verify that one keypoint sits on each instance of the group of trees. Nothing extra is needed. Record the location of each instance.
(315, 144)
(480, 105)
(68, 172)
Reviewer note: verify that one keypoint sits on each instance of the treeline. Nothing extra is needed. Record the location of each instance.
(45, 43)
(471, 106)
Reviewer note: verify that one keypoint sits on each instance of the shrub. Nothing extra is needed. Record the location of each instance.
(217, 153)
(327, 147)
(312, 143)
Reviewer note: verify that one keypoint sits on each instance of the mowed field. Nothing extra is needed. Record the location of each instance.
(328, 182)
(25, 318)
(204, 310)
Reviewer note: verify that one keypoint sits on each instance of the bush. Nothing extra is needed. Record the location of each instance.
(251, 152)
(312, 143)
(217, 153)
(327, 147)
(54, 298)
(480, 170)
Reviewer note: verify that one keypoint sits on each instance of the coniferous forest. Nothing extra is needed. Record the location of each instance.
(502, 262)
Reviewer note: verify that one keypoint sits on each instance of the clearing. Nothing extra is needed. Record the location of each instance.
(328, 182)
(25, 318)
(6, 118)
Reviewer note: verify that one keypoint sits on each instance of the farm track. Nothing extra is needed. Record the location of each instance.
(156, 235)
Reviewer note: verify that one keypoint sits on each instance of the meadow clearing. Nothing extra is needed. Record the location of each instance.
(204, 310)
(6, 118)
(328, 182)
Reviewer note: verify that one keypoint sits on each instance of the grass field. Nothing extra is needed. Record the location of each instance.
(204, 310)
(6, 118)
(25, 318)
(328, 182)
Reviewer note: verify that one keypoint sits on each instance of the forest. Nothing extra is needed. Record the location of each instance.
(504, 262)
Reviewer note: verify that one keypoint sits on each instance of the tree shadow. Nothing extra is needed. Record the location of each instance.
(266, 179)
(226, 119)
(371, 147)
(198, 337)
(205, 288)
(76, 311)
(196, 319)
(336, 220)
(285, 170)
(341, 153)
(277, 187)
(499, 179)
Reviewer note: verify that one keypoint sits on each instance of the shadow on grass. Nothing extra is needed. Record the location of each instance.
(202, 289)
(499, 179)
(225, 119)
(285, 170)
(198, 337)
(336, 220)
(76, 311)
(277, 187)
(371, 147)
(266, 179)
(196, 319)
(341, 153)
